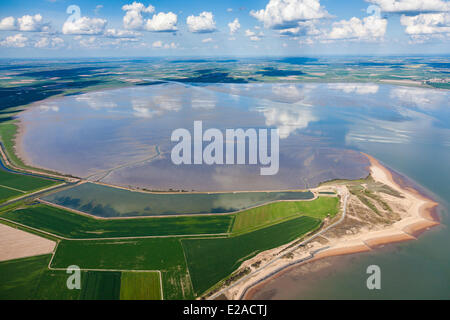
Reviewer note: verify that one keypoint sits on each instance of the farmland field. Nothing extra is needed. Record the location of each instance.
(258, 217)
(140, 286)
(95, 285)
(185, 264)
(19, 278)
(16, 184)
(158, 254)
(8, 193)
(8, 132)
(72, 225)
(29, 278)
(211, 260)
(138, 254)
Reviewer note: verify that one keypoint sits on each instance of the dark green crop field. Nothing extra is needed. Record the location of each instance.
(163, 254)
(137, 254)
(72, 225)
(95, 285)
(13, 184)
(29, 278)
(7, 193)
(20, 278)
(189, 265)
(23, 182)
(211, 260)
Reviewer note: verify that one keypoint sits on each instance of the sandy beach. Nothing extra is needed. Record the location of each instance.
(419, 215)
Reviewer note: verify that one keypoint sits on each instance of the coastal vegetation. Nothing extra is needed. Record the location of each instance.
(13, 185)
(148, 244)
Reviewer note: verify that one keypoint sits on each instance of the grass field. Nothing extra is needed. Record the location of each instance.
(72, 225)
(8, 131)
(14, 184)
(95, 285)
(188, 266)
(20, 278)
(140, 286)
(136, 254)
(163, 254)
(29, 278)
(211, 260)
(272, 213)
(8, 193)
(22, 182)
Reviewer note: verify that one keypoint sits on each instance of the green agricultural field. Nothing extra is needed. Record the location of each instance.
(23, 182)
(136, 254)
(72, 225)
(30, 278)
(14, 184)
(8, 193)
(20, 278)
(188, 266)
(8, 131)
(95, 285)
(272, 213)
(158, 254)
(211, 260)
(140, 286)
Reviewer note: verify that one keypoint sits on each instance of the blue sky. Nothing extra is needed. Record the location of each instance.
(43, 28)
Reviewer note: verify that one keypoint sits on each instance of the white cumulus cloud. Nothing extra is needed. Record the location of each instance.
(203, 23)
(8, 23)
(304, 28)
(162, 22)
(369, 28)
(282, 14)
(117, 33)
(47, 42)
(15, 41)
(32, 23)
(84, 25)
(412, 5)
(426, 23)
(133, 18)
(26, 23)
(234, 26)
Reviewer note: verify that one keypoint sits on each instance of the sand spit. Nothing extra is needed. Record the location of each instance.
(417, 214)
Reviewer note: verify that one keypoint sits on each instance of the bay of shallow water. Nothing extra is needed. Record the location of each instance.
(113, 135)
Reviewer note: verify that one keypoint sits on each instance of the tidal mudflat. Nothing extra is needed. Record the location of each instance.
(122, 136)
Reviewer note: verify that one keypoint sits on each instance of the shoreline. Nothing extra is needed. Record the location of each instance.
(423, 216)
